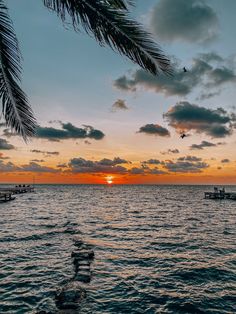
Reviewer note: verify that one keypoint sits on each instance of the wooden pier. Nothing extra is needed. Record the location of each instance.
(6, 193)
(6, 197)
(220, 195)
(17, 189)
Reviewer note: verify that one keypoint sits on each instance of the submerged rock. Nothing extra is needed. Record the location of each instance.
(70, 296)
(83, 254)
(83, 276)
(78, 241)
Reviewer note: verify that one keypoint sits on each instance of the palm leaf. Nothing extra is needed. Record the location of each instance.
(115, 28)
(119, 4)
(15, 108)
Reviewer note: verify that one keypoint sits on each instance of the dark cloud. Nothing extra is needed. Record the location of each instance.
(171, 151)
(190, 117)
(34, 167)
(204, 73)
(189, 164)
(146, 170)
(136, 170)
(220, 76)
(67, 131)
(204, 95)
(112, 162)
(81, 165)
(62, 165)
(31, 167)
(119, 105)
(8, 167)
(189, 158)
(225, 161)
(37, 160)
(152, 162)
(154, 129)
(204, 144)
(157, 171)
(5, 145)
(211, 57)
(184, 20)
(46, 153)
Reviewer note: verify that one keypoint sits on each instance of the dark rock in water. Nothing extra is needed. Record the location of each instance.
(70, 296)
(78, 242)
(83, 276)
(83, 267)
(83, 254)
(80, 263)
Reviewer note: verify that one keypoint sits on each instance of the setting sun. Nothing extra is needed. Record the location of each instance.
(109, 180)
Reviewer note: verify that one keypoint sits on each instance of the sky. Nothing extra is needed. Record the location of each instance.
(102, 119)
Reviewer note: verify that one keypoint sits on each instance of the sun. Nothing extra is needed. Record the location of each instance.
(109, 179)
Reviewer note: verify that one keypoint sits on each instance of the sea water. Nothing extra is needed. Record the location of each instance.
(158, 249)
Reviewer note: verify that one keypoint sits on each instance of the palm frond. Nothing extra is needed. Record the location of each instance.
(115, 28)
(15, 107)
(119, 4)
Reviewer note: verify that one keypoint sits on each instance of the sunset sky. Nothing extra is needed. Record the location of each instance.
(102, 118)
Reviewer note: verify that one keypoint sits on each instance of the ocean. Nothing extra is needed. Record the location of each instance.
(158, 249)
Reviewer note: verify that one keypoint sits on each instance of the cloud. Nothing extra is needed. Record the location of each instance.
(146, 170)
(8, 167)
(190, 117)
(188, 164)
(171, 151)
(37, 160)
(34, 167)
(204, 95)
(189, 158)
(152, 162)
(67, 131)
(46, 153)
(225, 161)
(64, 165)
(2, 157)
(154, 129)
(5, 145)
(180, 20)
(136, 170)
(112, 162)
(119, 105)
(81, 165)
(204, 144)
(209, 72)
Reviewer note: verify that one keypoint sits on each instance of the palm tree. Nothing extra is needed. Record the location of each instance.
(109, 23)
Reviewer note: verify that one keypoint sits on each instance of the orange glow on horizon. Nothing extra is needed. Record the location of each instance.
(109, 180)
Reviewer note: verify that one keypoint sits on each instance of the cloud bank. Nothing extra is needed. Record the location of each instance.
(179, 20)
(185, 116)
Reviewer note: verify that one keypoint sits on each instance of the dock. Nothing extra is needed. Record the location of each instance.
(7, 193)
(17, 189)
(220, 195)
(6, 197)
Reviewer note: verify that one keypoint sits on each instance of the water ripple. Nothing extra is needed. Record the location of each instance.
(155, 252)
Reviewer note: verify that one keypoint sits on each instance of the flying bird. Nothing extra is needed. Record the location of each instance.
(185, 70)
(183, 135)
